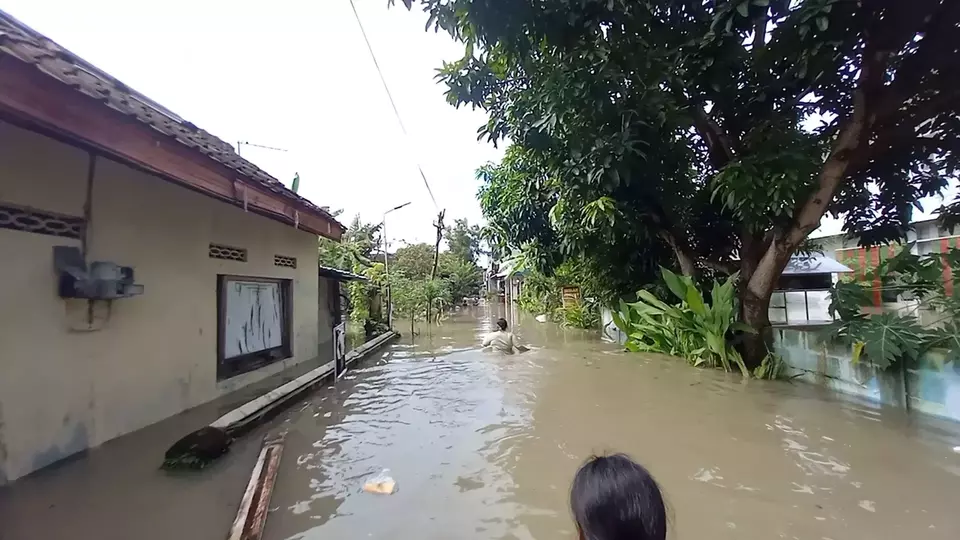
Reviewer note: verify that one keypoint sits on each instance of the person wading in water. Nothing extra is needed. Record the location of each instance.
(501, 340)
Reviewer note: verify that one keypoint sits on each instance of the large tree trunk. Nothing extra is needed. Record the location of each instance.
(754, 308)
(755, 301)
(761, 279)
(755, 311)
(775, 252)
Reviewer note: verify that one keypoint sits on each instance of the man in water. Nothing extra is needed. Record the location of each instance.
(501, 340)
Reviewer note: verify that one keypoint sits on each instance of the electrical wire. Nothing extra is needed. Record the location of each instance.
(393, 104)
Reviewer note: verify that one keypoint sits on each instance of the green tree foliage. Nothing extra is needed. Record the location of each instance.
(581, 314)
(542, 294)
(720, 130)
(355, 253)
(356, 247)
(523, 209)
(414, 261)
(419, 300)
(414, 293)
(463, 240)
(411, 267)
(365, 297)
(463, 277)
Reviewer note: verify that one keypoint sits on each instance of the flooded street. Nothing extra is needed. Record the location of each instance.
(484, 446)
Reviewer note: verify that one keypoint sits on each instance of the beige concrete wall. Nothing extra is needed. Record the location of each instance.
(67, 384)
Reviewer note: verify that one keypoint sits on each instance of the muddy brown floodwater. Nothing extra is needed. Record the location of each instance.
(484, 446)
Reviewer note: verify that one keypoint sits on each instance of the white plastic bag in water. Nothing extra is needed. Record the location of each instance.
(381, 484)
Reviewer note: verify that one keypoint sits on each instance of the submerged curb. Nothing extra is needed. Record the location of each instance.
(247, 415)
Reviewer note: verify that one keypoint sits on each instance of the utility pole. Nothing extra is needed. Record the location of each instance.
(436, 254)
(436, 260)
(386, 263)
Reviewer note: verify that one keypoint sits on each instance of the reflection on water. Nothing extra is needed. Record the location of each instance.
(484, 446)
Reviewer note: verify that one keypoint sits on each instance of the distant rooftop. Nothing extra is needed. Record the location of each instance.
(815, 264)
(817, 235)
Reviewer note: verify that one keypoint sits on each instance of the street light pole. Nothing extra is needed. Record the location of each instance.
(386, 263)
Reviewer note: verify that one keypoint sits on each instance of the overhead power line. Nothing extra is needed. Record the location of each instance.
(390, 97)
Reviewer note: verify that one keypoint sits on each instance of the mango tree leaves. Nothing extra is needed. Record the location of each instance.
(708, 121)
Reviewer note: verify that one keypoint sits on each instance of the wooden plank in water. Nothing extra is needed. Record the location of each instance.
(252, 515)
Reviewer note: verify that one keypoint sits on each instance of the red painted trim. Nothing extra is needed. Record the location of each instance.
(947, 271)
(41, 102)
(875, 261)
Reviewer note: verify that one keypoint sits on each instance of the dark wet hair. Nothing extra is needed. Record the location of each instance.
(615, 498)
(502, 323)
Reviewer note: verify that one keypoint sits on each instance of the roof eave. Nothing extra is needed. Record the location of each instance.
(63, 86)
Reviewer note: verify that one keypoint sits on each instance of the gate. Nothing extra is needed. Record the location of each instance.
(340, 349)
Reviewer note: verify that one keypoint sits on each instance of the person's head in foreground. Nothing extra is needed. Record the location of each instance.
(502, 324)
(614, 498)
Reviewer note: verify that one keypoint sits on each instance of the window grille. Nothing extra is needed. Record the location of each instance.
(37, 221)
(218, 251)
(283, 260)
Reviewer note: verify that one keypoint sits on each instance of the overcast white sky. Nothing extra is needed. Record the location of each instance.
(296, 74)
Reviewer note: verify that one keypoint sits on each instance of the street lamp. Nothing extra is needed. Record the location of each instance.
(386, 263)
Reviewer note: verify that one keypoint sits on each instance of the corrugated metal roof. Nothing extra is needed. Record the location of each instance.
(28, 45)
(341, 275)
(815, 264)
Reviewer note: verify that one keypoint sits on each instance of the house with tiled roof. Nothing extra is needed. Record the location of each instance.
(146, 267)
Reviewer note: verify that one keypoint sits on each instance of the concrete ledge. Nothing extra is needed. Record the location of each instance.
(246, 415)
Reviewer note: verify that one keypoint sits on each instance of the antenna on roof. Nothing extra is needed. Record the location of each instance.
(248, 143)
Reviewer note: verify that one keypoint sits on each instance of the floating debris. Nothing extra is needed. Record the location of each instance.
(381, 484)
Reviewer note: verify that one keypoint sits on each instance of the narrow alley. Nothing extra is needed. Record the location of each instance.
(484, 446)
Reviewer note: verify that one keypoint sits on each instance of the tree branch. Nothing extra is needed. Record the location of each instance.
(939, 33)
(724, 267)
(681, 248)
(759, 36)
(903, 131)
(718, 141)
(853, 134)
(850, 141)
